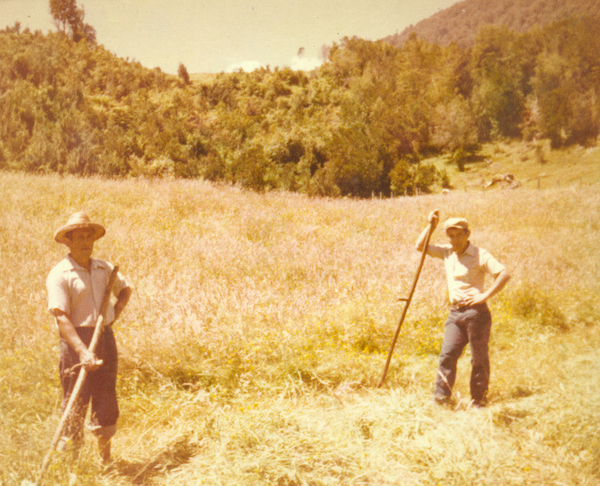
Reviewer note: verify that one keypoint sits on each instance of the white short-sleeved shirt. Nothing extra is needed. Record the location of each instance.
(467, 272)
(78, 293)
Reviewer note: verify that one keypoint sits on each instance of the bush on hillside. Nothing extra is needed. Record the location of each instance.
(356, 126)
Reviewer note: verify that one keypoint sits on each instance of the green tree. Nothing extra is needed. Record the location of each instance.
(409, 179)
(69, 19)
(499, 85)
(455, 130)
(183, 74)
(353, 162)
(553, 88)
(566, 84)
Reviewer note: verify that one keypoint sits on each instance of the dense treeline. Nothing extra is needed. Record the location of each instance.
(460, 23)
(358, 125)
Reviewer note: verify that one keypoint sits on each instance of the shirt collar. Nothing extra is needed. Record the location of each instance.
(471, 250)
(70, 264)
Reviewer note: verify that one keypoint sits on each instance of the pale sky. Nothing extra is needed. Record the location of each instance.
(210, 36)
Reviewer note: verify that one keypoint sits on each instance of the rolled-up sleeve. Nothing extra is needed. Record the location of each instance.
(490, 264)
(58, 293)
(120, 284)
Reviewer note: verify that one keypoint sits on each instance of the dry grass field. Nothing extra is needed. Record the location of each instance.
(260, 323)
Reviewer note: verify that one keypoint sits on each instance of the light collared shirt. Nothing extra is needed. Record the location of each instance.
(79, 293)
(465, 273)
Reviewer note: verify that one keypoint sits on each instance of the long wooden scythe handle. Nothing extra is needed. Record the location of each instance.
(82, 372)
(407, 300)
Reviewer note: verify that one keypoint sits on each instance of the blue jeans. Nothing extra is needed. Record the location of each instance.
(465, 325)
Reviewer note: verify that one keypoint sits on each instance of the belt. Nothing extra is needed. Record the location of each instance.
(461, 306)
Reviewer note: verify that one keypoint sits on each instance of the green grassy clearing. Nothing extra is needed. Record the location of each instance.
(532, 164)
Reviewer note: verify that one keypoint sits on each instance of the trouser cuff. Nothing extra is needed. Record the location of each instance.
(103, 432)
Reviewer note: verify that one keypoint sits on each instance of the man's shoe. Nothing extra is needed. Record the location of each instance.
(441, 401)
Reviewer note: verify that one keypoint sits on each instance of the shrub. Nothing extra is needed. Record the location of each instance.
(540, 306)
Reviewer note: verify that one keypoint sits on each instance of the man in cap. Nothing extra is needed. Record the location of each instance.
(469, 320)
(76, 287)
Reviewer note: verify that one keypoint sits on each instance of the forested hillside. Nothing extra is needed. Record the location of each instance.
(359, 125)
(461, 22)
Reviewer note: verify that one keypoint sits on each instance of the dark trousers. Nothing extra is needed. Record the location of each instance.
(99, 386)
(465, 325)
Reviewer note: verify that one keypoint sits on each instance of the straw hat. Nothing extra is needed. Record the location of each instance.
(78, 220)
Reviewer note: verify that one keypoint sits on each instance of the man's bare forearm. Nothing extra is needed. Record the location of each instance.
(122, 301)
(499, 282)
(420, 244)
(433, 219)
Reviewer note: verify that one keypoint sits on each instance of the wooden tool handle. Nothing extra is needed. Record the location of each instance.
(431, 227)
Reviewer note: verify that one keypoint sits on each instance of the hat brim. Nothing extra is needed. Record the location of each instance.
(60, 236)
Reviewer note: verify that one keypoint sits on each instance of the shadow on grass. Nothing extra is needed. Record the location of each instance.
(174, 455)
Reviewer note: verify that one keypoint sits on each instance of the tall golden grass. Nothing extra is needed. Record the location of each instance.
(260, 323)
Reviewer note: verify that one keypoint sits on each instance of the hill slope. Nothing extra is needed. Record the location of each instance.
(460, 23)
(531, 166)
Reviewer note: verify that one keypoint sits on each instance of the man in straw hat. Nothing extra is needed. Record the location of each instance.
(469, 320)
(76, 287)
